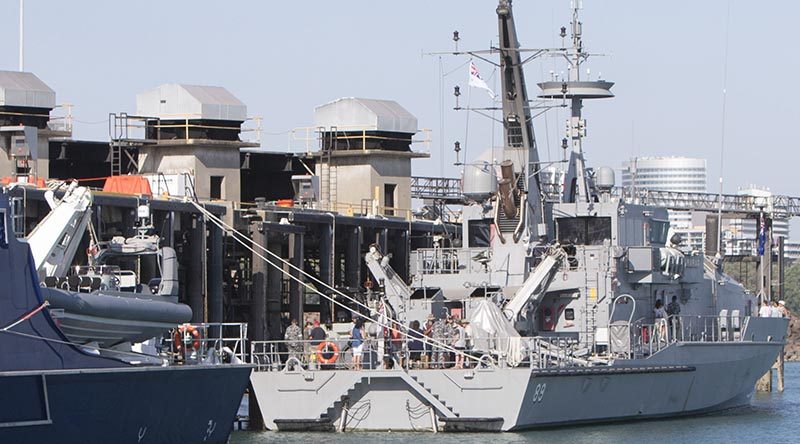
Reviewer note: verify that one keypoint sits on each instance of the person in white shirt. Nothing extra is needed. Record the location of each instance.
(776, 311)
(764, 310)
(460, 342)
(783, 309)
(660, 315)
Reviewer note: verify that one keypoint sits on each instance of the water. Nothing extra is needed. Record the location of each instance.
(772, 418)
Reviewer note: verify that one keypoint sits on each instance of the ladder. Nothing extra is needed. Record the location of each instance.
(18, 216)
(327, 171)
(515, 139)
(116, 159)
(591, 281)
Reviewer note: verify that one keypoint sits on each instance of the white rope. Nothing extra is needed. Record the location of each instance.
(227, 228)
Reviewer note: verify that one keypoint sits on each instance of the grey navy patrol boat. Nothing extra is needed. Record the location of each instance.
(560, 284)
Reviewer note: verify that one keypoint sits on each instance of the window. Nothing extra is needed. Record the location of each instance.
(479, 233)
(388, 199)
(658, 231)
(583, 230)
(216, 187)
(569, 314)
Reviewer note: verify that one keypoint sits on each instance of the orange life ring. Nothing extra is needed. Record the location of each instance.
(329, 348)
(178, 337)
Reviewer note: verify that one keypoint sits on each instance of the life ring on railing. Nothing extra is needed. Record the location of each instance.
(179, 335)
(329, 349)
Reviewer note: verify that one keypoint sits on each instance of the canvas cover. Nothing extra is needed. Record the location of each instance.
(491, 332)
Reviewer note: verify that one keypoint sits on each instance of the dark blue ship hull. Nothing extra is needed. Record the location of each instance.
(175, 405)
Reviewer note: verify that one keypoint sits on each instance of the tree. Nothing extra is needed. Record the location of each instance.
(791, 287)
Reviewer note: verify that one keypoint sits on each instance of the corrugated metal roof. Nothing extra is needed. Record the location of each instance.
(357, 114)
(26, 90)
(176, 101)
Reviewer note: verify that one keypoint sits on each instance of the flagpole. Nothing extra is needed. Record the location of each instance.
(722, 143)
(22, 35)
(466, 135)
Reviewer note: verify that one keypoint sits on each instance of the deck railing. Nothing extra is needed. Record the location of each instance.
(646, 339)
(451, 260)
(214, 343)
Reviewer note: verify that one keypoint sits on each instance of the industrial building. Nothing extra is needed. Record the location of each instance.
(321, 209)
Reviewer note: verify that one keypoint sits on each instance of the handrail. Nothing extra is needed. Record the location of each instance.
(214, 344)
(616, 301)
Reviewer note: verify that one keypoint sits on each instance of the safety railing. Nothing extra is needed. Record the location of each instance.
(440, 188)
(537, 353)
(650, 338)
(451, 260)
(374, 354)
(416, 354)
(209, 343)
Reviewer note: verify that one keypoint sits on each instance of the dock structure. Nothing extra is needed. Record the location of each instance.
(322, 209)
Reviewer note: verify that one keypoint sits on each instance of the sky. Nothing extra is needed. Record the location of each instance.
(283, 58)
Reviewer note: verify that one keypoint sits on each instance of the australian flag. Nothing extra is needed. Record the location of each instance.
(762, 234)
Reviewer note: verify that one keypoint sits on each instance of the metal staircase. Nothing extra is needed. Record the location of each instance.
(505, 223)
(342, 401)
(436, 396)
(334, 411)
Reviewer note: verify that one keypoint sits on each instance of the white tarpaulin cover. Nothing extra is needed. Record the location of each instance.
(492, 332)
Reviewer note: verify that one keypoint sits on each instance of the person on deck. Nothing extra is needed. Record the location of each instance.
(317, 334)
(357, 342)
(764, 310)
(783, 309)
(428, 334)
(673, 313)
(776, 310)
(415, 346)
(294, 340)
(460, 343)
(441, 336)
(660, 315)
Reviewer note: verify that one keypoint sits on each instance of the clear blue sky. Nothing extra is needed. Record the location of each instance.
(283, 58)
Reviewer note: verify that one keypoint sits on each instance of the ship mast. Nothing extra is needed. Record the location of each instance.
(577, 189)
(576, 181)
(520, 142)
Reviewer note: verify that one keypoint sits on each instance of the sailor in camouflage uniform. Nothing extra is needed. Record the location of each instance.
(294, 338)
(443, 336)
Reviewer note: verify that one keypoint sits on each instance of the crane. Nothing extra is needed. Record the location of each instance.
(56, 238)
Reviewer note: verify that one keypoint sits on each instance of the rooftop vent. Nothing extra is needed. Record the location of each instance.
(24, 89)
(174, 101)
(354, 114)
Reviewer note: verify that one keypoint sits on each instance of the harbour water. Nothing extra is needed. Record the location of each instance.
(772, 418)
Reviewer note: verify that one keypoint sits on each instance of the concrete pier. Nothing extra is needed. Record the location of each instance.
(765, 383)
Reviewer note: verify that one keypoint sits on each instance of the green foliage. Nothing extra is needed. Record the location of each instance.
(791, 287)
